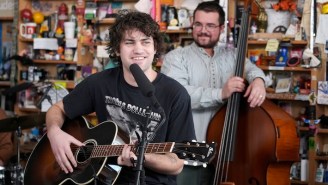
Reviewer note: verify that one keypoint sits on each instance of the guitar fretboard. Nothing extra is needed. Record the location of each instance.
(116, 150)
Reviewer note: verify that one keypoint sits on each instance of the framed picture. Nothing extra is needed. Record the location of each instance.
(185, 41)
(322, 92)
(283, 85)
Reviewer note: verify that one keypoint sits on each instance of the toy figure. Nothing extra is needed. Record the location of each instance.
(38, 18)
(26, 15)
(253, 28)
(62, 16)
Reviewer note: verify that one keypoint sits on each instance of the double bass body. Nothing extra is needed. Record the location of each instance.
(266, 144)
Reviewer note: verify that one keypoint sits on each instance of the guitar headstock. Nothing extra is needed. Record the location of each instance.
(195, 153)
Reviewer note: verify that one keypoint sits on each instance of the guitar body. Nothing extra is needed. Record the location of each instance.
(42, 168)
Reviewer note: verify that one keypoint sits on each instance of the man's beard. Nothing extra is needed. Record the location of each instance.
(210, 44)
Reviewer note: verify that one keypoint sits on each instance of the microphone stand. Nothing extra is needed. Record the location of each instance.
(141, 151)
(45, 96)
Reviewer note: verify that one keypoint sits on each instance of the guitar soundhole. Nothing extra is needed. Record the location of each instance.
(83, 153)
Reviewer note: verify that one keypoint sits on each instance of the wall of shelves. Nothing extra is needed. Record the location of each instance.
(299, 102)
(48, 7)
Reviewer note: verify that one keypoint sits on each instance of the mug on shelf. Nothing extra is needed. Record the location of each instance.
(27, 30)
(69, 28)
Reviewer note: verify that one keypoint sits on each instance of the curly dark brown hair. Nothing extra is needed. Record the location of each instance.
(134, 21)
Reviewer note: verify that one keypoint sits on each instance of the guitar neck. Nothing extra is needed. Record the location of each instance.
(116, 150)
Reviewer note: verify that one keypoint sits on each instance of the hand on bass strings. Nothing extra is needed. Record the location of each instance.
(234, 84)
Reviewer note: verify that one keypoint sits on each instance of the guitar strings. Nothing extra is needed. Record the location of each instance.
(115, 150)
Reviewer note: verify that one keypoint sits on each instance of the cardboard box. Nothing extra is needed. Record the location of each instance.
(6, 8)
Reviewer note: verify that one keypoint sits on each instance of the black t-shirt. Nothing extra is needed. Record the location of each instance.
(112, 98)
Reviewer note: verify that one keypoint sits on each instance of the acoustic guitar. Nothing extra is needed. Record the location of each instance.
(93, 159)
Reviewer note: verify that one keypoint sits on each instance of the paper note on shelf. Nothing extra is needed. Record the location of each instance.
(102, 52)
(272, 45)
(45, 43)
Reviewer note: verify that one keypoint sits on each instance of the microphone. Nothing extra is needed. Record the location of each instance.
(45, 96)
(147, 89)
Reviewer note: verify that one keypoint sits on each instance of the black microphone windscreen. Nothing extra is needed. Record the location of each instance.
(143, 82)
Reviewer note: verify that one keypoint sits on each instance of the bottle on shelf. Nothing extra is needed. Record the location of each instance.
(304, 171)
(325, 175)
(319, 173)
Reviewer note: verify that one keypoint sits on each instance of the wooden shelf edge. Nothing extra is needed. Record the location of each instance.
(54, 62)
(22, 39)
(321, 158)
(322, 131)
(104, 21)
(5, 83)
(6, 18)
(30, 110)
(257, 42)
(263, 42)
(278, 68)
(287, 96)
(181, 31)
(298, 182)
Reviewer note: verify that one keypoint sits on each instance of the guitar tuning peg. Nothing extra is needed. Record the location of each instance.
(204, 165)
(186, 162)
(194, 163)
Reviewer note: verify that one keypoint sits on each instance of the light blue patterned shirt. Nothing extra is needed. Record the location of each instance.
(204, 76)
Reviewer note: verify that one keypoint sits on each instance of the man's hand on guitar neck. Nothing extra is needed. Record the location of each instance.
(127, 157)
(167, 163)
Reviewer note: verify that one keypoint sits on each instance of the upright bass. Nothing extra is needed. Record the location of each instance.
(256, 146)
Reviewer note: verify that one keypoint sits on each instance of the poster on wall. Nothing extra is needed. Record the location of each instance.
(6, 50)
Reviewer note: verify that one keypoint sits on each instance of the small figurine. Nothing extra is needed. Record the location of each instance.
(38, 18)
(60, 52)
(87, 35)
(253, 28)
(26, 15)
